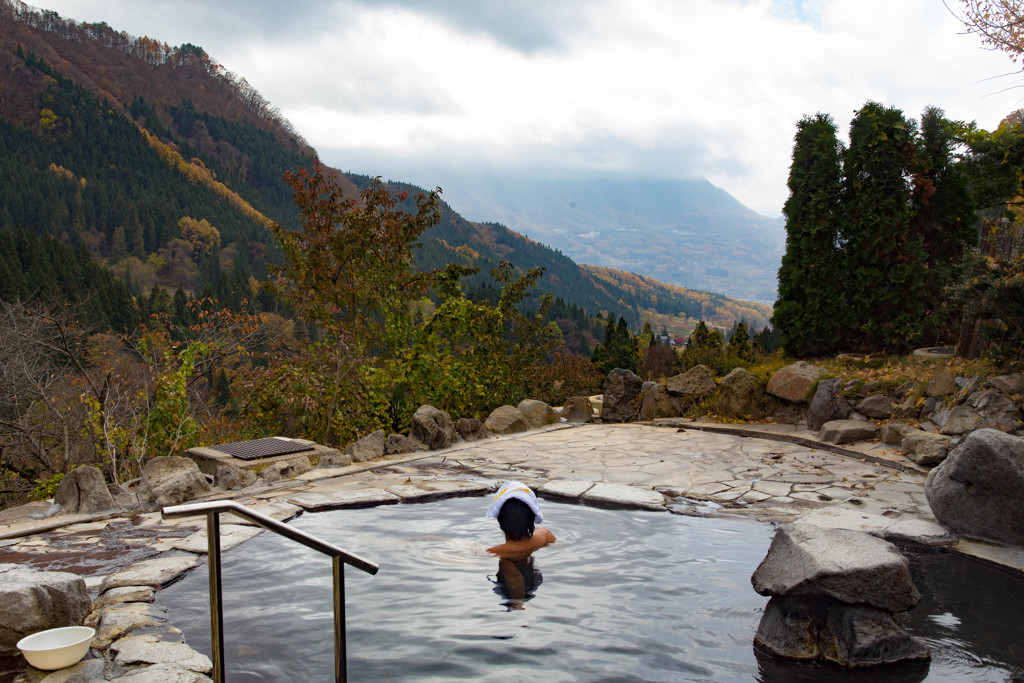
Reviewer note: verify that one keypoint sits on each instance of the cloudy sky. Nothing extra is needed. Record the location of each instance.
(423, 90)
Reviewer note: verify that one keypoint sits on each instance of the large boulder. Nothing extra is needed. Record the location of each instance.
(827, 405)
(171, 480)
(83, 490)
(286, 468)
(1008, 384)
(854, 636)
(400, 444)
(741, 394)
(697, 381)
(471, 428)
(506, 420)
(578, 409)
(925, 448)
(978, 490)
(942, 385)
(997, 410)
(621, 396)
(433, 428)
(846, 431)
(879, 406)
(960, 420)
(33, 601)
(370, 447)
(229, 477)
(537, 413)
(846, 566)
(793, 383)
(657, 403)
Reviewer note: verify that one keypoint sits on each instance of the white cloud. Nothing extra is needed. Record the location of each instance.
(652, 87)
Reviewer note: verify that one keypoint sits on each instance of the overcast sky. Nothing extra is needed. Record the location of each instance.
(417, 90)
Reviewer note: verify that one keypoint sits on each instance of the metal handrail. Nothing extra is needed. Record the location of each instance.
(338, 556)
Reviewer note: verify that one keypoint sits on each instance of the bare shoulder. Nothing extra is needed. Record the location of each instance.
(544, 535)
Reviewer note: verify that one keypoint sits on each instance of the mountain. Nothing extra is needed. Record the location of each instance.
(158, 163)
(683, 232)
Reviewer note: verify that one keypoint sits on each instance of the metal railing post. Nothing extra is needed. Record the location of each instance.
(339, 558)
(340, 648)
(216, 606)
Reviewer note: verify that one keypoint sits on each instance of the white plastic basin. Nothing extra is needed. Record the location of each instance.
(56, 648)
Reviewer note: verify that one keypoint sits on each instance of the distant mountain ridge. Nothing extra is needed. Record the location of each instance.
(684, 232)
(109, 143)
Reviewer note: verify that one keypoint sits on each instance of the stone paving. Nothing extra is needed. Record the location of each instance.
(770, 473)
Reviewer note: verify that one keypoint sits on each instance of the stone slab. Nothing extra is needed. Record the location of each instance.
(624, 495)
(845, 518)
(157, 572)
(919, 531)
(148, 649)
(277, 509)
(423, 491)
(566, 488)
(317, 501)
(230, 536)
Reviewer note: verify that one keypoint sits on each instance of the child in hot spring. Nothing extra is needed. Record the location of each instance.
(517, 510)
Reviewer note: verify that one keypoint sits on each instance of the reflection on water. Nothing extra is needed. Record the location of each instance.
(626, 596)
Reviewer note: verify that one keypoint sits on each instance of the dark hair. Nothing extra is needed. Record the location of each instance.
(516, 519)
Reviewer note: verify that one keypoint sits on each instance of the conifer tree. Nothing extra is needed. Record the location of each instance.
(740, 346)
(810, 292)
(884, 259)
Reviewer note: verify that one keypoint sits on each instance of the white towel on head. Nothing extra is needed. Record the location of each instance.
(515, 489)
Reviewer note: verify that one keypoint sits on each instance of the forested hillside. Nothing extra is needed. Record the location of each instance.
(166, 168)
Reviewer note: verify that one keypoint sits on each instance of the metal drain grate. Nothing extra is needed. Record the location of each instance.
(261, 448)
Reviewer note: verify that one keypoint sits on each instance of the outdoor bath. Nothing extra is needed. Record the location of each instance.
(622, 595)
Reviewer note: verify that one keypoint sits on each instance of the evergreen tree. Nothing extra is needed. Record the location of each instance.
(884, 259)
(808, 310)
(739, 345)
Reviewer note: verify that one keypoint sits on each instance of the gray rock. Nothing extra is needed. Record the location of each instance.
(566, 488)
(846, 431)
(537, 413)
(790, 626)
(827, 405)
(853, 636)
(33, 601)
(506, 420)
(334, 459)
(230, 478)
(1007, 384)
(928, 409)
(657, 403)
(83, 490)
(741, 394)
(960, 420)
(968, 386)
(370, 447)
(878, 407)
(978, 490)
(433, 428)
(697, 381)
(621, 396)
(859, 636)
(992, 405)
(894, 432)
(578, 410)
(793, 383)
(941, 385)
(925, 448)
(288, 468)
(171, 480)
(852, 567)
(400, 444)
(788, 413)
(906, 389)
(471, 428)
